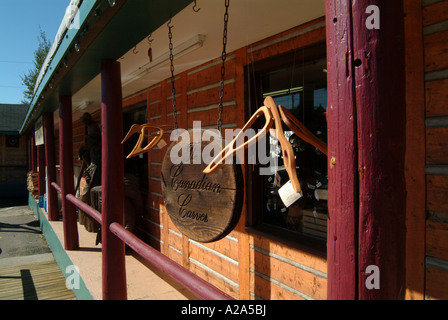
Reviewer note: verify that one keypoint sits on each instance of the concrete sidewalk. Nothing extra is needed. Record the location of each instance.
(28, 270)
(20, 232)
(143, 282)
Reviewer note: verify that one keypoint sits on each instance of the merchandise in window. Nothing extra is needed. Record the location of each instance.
(297, 81)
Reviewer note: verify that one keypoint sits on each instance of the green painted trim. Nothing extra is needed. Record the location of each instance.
(130, 24)
(59, 253)
(85, 9)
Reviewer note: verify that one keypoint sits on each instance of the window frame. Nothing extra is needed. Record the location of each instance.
(255, 224)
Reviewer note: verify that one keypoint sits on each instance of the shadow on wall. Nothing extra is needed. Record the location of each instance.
(13, 201)
(13, 187)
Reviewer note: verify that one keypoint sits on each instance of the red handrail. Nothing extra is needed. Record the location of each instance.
(188, 279)
(55, 185)
(195, 284)
(95, 214)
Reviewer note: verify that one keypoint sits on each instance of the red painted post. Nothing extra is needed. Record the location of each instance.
(366, 130)
(342, 156)
(41, 171)
(114, 270)
(381, 122)
(70, 226)
(52, 197)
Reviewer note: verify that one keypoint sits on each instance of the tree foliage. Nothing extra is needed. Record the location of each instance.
(29, 79)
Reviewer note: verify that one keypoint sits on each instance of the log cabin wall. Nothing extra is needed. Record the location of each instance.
(435, 46)
(278, 269)
(249, 265)
(13, 164)
(79, 135)
(244, 265)
(13, 150)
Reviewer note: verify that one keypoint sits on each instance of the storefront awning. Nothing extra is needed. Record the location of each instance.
(93, 31)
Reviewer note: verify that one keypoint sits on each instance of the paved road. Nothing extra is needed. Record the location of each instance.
(28, 270)
(20, 234)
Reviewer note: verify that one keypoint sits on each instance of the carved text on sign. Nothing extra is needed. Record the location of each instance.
(203, 184)
(204, 207)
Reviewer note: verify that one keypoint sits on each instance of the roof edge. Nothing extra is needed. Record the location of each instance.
(67, 33)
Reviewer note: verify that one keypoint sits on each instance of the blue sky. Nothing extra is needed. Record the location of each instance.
(19, 31)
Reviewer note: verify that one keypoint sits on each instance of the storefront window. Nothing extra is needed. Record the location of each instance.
(296, 81)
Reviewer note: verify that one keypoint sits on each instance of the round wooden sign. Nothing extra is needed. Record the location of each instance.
(204, 207)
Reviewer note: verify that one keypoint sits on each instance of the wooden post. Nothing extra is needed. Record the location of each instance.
(366, 120)
(381, 113)
(342, 155)
(114, 270)
(70, 226)
(53, 208)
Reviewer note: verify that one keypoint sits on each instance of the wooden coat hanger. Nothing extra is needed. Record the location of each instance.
(301, 131)
(137, 128)
(289, 159)
(230, 149)
(273, 117)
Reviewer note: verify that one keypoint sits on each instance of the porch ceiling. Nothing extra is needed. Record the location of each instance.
(123, 36)
(104, 33)
(249, 21)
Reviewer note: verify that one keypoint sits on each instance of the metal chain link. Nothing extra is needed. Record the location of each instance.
(173, 88)
(223, 67)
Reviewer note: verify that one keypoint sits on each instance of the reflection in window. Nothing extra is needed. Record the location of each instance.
(297, 82)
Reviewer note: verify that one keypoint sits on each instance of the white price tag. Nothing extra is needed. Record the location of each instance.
(161, 144)
(288, 194)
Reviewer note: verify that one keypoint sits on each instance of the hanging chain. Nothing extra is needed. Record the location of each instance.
(173, 89)
(223, 67)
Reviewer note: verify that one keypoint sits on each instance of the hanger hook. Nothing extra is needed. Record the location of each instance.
(169, 24)
(135, 51)
(194, 7)
(150, 40)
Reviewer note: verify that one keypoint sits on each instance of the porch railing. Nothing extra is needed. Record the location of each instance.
(189, 280)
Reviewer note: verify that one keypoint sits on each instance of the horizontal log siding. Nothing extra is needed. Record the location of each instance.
(279, 271)
(275, 270)
(435, 31)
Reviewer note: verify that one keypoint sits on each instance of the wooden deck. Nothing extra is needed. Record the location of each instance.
(37, 281)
